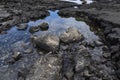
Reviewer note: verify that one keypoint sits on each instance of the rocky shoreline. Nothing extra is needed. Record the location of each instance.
(68, 57)
(106, 16)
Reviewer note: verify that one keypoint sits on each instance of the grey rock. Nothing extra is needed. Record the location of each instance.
(82, 59)
(10, 60)
(84, 2)
(69, 74)
(29, 50)
(115, 48)
(46, 42)
(86, 73)
(22, 26)
(47, 68)
(64, 47)
(114, 36)
(3, 32)
(44, 26)
(116, 30)
(81, 48)
(80, 64)
(6, 25)
(34, 29)
(98, 43)
(16, 56)
(106, 55)
(71, 35)
(84, 43)
(17, 12)
(91, 44)
(4, 14)
(105, 48)
(78, 77)
(8, 22)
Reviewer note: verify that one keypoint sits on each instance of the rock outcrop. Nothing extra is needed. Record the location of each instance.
(46, 42)
(71, 35)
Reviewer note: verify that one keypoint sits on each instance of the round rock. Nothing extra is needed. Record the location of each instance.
(44, 26)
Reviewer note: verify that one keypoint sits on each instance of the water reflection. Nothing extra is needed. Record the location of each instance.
(57, 26)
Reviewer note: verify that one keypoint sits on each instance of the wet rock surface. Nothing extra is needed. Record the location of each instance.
(80, 60)
(44, 26)
(18, 64)
(105, 15)
(34, 29)
(22, 26)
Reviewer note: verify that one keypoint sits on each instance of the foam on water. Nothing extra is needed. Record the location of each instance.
(79, 1)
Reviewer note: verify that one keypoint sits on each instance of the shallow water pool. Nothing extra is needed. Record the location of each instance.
(57, 25)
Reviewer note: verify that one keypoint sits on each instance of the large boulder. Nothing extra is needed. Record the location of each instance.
(71, 35)
(46, 42)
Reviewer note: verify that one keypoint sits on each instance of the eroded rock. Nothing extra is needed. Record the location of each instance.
(47, 68)
(82, 59)
(71, 35)
(46, 42)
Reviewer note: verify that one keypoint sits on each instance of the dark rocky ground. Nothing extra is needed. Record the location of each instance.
(106, 15)
(73, 61)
